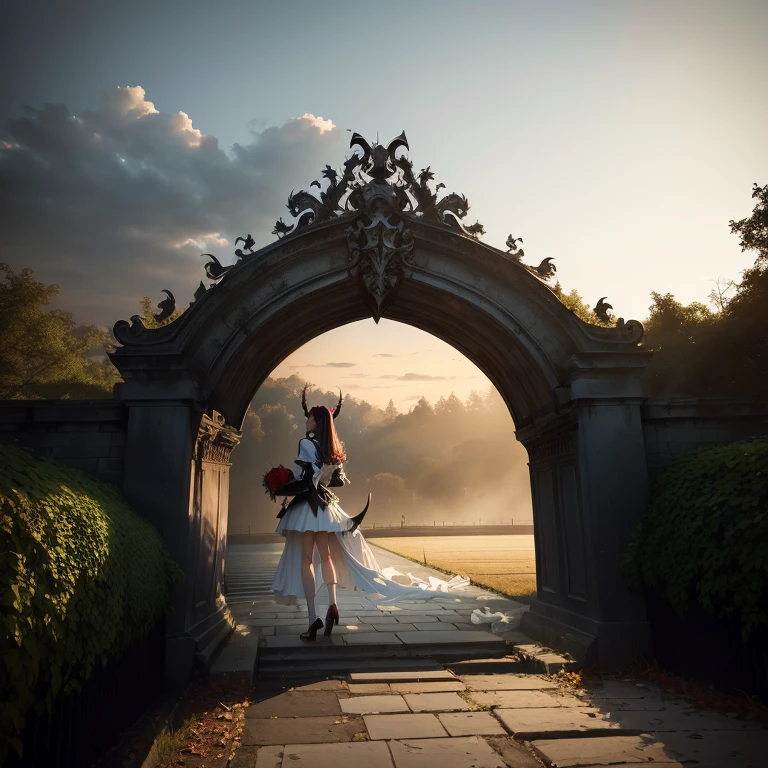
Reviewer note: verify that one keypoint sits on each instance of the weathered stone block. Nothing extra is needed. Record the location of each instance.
(82, 451)
(368, 705)
(403, 727)
(313, 730)
(607, 750)
(83, 464)
(462, 752)
(371, 754)
(296, 704)
(72, 426)
(110, 465)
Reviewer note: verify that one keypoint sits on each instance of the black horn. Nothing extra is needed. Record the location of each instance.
(357, 519)
(337, 409)
(304, 400)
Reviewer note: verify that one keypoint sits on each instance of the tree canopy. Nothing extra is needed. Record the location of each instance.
(722, 351)
(44, 354)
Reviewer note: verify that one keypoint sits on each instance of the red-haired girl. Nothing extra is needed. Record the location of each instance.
(319, 533)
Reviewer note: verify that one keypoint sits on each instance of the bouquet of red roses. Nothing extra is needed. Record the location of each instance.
(276, 477)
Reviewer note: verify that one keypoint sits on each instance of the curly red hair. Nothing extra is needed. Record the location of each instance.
(331, 447)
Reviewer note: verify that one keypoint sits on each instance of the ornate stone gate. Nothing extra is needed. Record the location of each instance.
(377, 242)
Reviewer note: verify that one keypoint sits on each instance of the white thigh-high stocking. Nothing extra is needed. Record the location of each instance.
(327, 566)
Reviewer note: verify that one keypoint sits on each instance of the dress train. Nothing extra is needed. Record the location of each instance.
(356, 568)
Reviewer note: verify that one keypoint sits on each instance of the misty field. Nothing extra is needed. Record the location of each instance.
(503, 563)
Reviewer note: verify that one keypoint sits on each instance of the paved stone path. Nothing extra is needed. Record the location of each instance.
(250, 569)
(442, 720)
(269, 631)
(395, 705)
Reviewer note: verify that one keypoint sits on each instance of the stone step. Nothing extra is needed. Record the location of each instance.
(340, 660)
(204, 656)
(237, 660)
(416, 675)
(489, 666)
(346, 667)
(543, 660)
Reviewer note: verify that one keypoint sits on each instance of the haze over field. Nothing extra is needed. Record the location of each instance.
(449, 460)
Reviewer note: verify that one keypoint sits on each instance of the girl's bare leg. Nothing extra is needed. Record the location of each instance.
(326, 564)
(308, 572)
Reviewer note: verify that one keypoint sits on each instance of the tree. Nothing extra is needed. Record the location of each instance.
(253, 423)
(450, 406)
(718, 296)
(698, 352)
(43, 353)
(576, 304)
(753, 231)
(391, 412)
(148, 312)
(475, 402)
(676, 333)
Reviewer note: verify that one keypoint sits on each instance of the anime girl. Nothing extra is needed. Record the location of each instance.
(323, 543)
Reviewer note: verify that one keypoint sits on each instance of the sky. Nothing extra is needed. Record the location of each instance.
(617, 137)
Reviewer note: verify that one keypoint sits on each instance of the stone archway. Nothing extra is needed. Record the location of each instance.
(380, 242)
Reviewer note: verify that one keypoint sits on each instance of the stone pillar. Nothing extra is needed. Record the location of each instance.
(207, 611)
(589, 488)
(177, 477)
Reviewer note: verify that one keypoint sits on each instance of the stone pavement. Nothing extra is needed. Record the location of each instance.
(411, 719)
(267, 633)
(417, 684)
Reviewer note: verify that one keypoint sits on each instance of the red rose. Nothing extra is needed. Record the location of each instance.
(276, 477)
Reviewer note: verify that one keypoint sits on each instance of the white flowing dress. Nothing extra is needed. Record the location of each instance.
(354, 562)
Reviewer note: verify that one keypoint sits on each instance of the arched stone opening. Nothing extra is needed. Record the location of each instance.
(572, 389)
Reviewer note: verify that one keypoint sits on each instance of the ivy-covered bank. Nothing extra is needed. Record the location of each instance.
(705, 536)
(82, 577)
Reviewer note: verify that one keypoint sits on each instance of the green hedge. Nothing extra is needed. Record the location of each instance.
(705, 535)
(82, 576)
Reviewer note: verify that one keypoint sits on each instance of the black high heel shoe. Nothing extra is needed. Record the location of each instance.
(311, 633)
(331, 618)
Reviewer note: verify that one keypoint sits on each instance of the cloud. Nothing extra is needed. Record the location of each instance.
(119, 201)
(385, 354)
(413, 397)
(366, 387)
(357, 376)
(417, 377)
(327, 365)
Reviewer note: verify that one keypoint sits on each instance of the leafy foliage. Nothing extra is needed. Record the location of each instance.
(148, 311)
(699, 352)
(705, 535)
(43, 353)
(576, 304)
(82, 576)
(753, 231)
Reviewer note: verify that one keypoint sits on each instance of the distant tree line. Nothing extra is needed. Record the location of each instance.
(449, 461)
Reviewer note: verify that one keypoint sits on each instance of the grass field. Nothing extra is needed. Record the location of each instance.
(504, 563)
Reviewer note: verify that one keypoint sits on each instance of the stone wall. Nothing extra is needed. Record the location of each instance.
(671, 427)
(85, 434)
